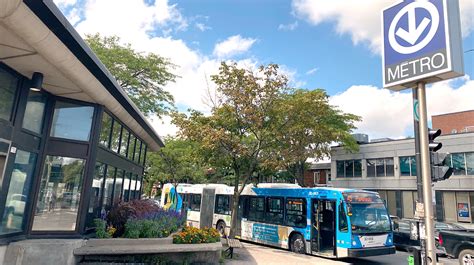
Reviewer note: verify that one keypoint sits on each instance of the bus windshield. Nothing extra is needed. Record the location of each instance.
(367, 213)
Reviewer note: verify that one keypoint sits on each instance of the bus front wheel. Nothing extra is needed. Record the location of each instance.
(297, 244)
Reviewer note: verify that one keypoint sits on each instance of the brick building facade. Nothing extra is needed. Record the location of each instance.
(457, 122)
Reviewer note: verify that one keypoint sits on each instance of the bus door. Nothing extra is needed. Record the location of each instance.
(323, 222)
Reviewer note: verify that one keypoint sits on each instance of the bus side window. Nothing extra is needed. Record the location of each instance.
(222, 204)
(256, 208)
(343, 227)
(196, 202)
(296, 212)
(274, 212)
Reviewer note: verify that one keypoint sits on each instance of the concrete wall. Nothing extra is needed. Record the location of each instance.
(42, 252)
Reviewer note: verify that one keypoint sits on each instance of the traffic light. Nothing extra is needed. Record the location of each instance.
(440, 168)
(432, 134)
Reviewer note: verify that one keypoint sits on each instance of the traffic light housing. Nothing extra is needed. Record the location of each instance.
(440, 168)
(432, 134)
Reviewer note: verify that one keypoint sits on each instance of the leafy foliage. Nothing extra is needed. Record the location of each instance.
(100, 228)
(124, 211)
(258, 125)
(142, 76)
(181, 160)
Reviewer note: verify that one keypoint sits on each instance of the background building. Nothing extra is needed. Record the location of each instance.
(457, 122)
(389, 168)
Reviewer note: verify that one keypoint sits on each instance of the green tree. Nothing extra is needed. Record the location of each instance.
(305, 125)
(142, 76)
(179, 161)
(239, 128)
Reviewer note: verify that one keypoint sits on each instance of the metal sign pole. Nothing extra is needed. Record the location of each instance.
(419, 182)
(426, 176)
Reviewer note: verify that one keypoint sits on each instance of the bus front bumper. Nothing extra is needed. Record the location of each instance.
(376, 251)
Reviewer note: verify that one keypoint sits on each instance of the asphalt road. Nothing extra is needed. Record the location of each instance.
(258, 254)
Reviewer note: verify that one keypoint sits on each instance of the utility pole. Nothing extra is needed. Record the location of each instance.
(419, 182)
(426, 175)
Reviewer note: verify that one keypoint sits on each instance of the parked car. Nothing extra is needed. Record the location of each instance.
(401, 234)
(458, 244)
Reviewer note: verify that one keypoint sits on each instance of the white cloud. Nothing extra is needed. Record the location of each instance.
(361, 19)
(288, 27)
(202, 27)
(233, 45)
(129, 19)
(312, 71)
(389, 114)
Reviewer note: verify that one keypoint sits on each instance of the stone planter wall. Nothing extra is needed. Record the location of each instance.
(120, 250)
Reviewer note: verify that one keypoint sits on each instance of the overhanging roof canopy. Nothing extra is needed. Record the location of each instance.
(36, 37)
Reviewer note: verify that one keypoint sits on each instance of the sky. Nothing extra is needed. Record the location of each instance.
(330, 44)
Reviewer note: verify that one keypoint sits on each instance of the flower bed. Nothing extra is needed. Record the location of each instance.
(192, 235)
(139, 219)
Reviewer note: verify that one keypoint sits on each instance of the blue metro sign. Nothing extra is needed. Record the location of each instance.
(421, 42)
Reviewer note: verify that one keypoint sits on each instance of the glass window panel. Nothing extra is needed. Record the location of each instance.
(126, 186)
(108, 188)
(349, 165)
(131, 147)
(371, 167)
(96, 193)
(459, 164)
(139, 187)
(18, 191)
(340, 169)
(59, 194)
(124, 142)
(296, 212)
(470, 163)
(413, 165)
(357, 168)
(137, 151)
(115, 141)
(105, 130)
(8, 86)
(142, 154)
(405, 166)
(34, 112)
(380, 167)
(118, 186)
(389, 167)
(72, 121)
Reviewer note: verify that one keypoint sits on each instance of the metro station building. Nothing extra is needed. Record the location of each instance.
(72, 143)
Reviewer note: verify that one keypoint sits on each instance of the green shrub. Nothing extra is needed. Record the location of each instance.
(192, 235)
(100, 228)
(132, 229)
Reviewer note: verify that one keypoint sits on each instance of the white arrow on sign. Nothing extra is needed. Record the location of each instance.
(414, 32)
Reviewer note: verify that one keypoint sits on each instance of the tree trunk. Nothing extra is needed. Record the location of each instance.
(300, 173)
(235, 205)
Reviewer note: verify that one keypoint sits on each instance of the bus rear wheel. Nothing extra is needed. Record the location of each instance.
(297, 244)
(221, 228)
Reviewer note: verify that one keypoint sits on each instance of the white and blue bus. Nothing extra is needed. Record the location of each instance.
(328, 222)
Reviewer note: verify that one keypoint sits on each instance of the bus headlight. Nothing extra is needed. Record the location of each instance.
(354, 243)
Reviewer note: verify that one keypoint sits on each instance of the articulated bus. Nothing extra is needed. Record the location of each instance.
(206, 205)
(329, 222)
